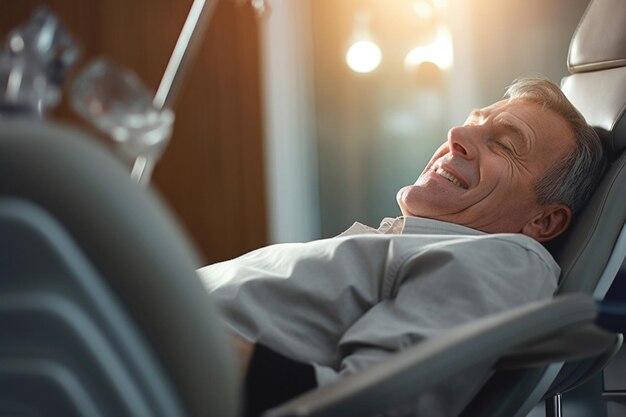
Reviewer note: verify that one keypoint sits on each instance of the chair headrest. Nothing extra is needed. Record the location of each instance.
(592, 49)
(597, 62)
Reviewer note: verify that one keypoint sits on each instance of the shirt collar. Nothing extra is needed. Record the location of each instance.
(431, 226)
(411, 225)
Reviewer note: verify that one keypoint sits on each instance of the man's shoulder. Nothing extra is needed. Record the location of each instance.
(474, 240)
(516, 240)
(476, 251)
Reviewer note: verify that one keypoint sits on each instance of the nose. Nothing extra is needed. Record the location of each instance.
(462, 140)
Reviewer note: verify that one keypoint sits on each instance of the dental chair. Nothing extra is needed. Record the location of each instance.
(101, 313)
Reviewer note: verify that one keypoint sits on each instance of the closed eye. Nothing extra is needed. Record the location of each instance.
(514, 132)
(508, 149)
(505, 146)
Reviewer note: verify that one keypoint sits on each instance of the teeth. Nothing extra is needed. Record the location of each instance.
(450, 177)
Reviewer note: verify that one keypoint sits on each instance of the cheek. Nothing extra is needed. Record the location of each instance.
(517, 201)
(441, 151)
(500, 175)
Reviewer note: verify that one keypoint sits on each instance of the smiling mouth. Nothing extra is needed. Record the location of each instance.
(454, 180)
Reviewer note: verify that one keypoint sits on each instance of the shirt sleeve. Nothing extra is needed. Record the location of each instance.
(435, 290)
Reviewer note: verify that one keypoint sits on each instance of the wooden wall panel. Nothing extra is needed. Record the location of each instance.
(212, 173)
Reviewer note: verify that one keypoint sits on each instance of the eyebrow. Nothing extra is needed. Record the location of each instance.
(481, 114)
(512, 127)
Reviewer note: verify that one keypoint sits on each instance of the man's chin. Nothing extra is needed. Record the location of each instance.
(412, 205)
(406, 202)
(407, 213)
(402, 198)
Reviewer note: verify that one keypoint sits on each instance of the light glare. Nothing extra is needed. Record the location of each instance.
(423, 10)
(363, 56)
(438, 52)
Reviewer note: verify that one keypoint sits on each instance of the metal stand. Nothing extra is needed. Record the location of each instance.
(553, 406)
(186, 48)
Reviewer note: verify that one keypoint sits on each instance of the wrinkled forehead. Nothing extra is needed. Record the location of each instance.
(551, 132)
(498, 105)
(522, 110)
(513, 104)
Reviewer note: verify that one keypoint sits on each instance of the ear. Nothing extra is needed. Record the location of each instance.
(549, 222)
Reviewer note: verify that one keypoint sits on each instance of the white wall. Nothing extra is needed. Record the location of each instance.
(291, 151)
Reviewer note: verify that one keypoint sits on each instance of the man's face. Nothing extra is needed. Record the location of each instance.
(484, 175)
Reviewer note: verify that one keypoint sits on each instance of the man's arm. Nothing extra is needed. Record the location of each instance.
(439, 289)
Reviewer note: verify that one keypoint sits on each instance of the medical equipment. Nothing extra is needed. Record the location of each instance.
(115, 101)
(33, 64)
(36, 60)
(184, 52)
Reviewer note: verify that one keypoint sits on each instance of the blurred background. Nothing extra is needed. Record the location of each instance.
(293, 125)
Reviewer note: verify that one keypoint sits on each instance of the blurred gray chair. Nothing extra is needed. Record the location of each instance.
(101, 313)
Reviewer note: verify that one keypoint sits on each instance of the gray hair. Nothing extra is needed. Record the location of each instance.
(573, 179)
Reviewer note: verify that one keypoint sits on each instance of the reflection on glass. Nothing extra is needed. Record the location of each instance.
(116, 101)
(33, 65)
(260, 7)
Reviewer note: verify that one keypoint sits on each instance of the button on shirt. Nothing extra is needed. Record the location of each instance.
(344, 303)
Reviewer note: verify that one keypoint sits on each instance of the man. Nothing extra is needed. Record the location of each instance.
(469, 244)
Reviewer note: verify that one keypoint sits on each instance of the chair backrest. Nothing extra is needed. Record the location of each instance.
(591, 252)
(101, 312)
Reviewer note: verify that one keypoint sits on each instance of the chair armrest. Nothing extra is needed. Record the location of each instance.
(405, 374)
(570, 344)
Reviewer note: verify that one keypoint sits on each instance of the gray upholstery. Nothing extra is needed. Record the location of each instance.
(100, 309)
(600, 40)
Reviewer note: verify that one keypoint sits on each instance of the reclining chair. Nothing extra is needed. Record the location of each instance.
(101, 312)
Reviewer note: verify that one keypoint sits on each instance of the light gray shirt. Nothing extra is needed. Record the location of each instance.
(343, 303)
